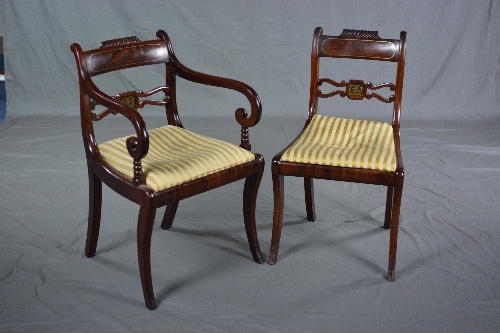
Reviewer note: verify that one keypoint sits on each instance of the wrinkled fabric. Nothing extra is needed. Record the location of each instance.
(453, 50)
(330, 275)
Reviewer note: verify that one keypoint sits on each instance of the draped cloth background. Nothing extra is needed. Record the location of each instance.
(330, 275)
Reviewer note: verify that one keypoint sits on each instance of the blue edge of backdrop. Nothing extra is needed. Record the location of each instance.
(2, 93)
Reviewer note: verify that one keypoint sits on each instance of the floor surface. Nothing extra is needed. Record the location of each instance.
(330, 275)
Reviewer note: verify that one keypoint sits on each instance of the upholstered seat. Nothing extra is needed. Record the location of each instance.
(175, 156)
(346, 143)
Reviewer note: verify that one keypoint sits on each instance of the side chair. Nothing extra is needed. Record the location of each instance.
(349, 150)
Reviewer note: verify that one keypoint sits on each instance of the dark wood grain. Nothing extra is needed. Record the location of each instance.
(128, 52)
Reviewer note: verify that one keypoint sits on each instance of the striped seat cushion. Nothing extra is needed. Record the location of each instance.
(175, 156)
(346, 143)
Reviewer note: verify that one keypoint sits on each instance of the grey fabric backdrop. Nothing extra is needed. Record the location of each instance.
(330, 275)
(453, 69)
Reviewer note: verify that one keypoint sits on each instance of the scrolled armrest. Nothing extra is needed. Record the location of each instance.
(241, 114)
(137, 146)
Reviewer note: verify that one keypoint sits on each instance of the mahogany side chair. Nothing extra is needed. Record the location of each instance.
(160, 166)
(361, 151)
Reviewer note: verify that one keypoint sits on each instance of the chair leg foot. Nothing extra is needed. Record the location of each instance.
(147, 214)
(249, 204)
(168, 217)
(309, 191)
(393, 243)
(388, 207)
(277, 216)
(94, 219)
(151, 303)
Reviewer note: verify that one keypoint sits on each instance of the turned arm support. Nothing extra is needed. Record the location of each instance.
(241, 114)
(138, 145)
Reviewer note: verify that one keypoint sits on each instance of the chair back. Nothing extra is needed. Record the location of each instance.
(357, 45)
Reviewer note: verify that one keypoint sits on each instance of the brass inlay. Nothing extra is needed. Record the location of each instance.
(355, 90)
(130, 101)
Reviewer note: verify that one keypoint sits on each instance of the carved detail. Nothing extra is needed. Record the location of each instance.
(356, 90)
(333, 83)
(131, 98)
(120, 41)
(360, 34)
(97, 117)
(245, 139)
(138, 179)
(391, 86)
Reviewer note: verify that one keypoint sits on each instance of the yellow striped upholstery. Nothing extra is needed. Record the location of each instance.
(346, 143)
(175, 156)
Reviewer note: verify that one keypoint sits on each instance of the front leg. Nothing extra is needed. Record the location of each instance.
(249, 203)
(147, 214)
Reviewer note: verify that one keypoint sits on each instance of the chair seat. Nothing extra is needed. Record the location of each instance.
(175, 156)
(344, 142)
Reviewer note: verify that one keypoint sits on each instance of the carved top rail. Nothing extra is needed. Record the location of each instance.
(132, 99)
(360, 34)
(120, 41)
(123, 53)
(359, 44)
(356, 90)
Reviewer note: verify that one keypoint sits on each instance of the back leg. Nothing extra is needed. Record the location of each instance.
(388, 207)
(168, 217)
(309, 190)
(250, 190)
(278, 188)
(393, 243)
(94, 219)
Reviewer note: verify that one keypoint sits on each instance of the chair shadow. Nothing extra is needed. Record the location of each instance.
(241, 249)
(338, 245)
(173, 286)
(215, 267)
(222, 235)
(119, 241)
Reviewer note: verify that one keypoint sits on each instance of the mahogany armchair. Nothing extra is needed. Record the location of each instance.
(159, 167)
(342, 149)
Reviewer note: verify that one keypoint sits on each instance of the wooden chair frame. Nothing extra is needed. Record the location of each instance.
(131, 52)
(353, 44)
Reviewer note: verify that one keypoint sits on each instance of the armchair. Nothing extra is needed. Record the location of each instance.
(161, 166)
